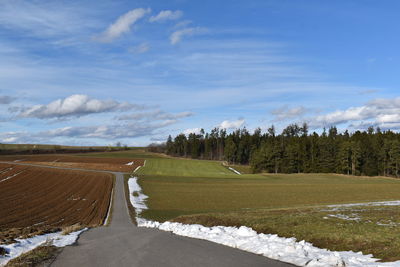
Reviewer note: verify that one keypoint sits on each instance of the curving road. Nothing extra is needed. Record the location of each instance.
(123, 244)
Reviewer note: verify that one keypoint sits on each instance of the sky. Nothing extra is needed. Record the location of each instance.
(107, 71)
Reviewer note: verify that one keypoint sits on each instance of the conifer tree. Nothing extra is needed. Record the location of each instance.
(295, 150)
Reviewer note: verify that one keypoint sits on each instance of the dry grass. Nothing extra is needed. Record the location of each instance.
(36, 257)
(8, 235)
(72, 228)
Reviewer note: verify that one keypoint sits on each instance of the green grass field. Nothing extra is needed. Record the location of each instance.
(172, 196)
(291, 205)
(185, 167)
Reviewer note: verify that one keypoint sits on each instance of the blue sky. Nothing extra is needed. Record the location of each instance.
(98, 72)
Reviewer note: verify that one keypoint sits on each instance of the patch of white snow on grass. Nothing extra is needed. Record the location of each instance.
(272, 246)
(367, 204)
(235, 171)
(390, 224)
(129, 163)
(136, 196)
(354, 217)
(24, 245)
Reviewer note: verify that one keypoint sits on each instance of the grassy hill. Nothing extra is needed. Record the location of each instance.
(291, 205)
(183, 167)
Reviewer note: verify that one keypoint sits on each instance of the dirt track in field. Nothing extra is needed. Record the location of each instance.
(92, 163)
(35, 200)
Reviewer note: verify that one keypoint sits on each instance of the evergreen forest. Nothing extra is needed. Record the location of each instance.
(295, 150)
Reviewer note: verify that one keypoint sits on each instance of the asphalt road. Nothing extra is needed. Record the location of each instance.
(123, 244)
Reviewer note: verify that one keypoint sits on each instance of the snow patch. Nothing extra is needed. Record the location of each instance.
(354, 217)
(272, 246)
(129, 163)
(390, 224)
(136, 196)
(235, 171)
(368, 204)
(24, 245)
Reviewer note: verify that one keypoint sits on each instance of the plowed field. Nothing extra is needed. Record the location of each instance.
(35, 200)
(106, 164)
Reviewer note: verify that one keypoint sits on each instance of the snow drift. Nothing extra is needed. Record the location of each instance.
(24, 245)
(235, 171)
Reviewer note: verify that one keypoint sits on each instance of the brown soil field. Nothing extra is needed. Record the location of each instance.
(36, 200)
(106, 164)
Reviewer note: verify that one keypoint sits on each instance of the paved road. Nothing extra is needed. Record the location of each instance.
(123, 244)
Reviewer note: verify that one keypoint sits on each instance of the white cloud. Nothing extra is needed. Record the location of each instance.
(15, 137)
(43, 19)
(122, 24)
(155, 115)
(232, 124)
(284, 113)
(192, 130)
(166, 15)
(9, 139)
(106, 132)
(382, 112)
(182, 24)
(149, 124)
(177, 36)
(140, 49)
(74, 105)
(130, 130)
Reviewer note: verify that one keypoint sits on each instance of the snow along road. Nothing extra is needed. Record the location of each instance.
(123, 244)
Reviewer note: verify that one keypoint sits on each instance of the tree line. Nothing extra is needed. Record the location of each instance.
(295, 150)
